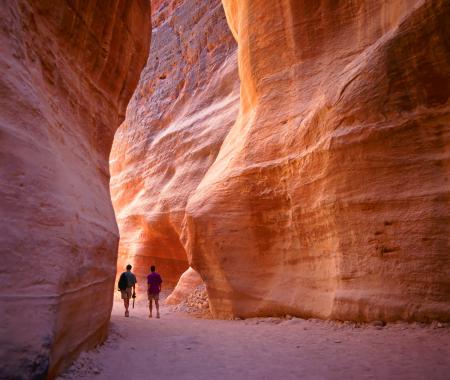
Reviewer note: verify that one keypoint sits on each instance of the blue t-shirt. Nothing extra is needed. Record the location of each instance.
(131, 279)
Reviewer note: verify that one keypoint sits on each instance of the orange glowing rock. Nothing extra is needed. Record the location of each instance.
(329, 195)
(183, 107)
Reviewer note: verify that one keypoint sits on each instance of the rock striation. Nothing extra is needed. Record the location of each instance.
(327, 193)
(329, 196)
(68, 71)
(185, 104)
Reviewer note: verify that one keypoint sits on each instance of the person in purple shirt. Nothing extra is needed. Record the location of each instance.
(154, 282)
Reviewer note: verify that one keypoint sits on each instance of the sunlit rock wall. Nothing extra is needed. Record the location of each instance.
(68, 70)
(330, 195)
(184, 105)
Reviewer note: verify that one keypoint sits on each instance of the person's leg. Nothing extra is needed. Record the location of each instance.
(123, 295)
(127, 305)
(157, 307)
(150, 306)
(127, 301)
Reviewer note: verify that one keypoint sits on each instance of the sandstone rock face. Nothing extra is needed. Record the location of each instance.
(330, 194)
(187, 283)
(185, 104)
(68, 71)
(190, 296)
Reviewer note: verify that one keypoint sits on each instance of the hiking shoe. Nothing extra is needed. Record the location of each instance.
(149, 315)
(157, 315)
(127, 314)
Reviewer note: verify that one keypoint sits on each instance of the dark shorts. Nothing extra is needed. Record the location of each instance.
(153, 296)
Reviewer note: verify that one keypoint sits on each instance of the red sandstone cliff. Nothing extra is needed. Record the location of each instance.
(330, 195)
(68, 71)
(183, 107)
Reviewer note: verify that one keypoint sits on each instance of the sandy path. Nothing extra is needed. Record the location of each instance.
(178, 346)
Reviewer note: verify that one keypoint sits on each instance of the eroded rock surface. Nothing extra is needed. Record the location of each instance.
(330, 195)
(68, 71)
(187, 283)
(185, 104)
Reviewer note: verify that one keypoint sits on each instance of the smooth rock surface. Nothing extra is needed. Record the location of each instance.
(68, 70)
(184, 105)
(330, 195)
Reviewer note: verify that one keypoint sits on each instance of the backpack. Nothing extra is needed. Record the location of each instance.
(123, 282)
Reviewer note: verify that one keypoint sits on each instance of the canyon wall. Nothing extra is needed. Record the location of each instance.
(330, 195)
(68, 71)
(184, 105)
(327, 194)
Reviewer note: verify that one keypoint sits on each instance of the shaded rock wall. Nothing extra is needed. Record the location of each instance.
(330, 195)
(183, 107)
(68, 71)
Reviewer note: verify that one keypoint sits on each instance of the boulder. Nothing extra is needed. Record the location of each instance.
(187, 284)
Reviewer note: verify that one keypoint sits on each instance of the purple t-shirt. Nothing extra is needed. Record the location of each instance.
(154, 280)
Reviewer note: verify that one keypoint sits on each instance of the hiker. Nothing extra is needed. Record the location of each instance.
(154, 282)
(127, 289)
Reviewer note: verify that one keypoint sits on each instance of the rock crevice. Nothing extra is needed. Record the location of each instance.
(185, 103)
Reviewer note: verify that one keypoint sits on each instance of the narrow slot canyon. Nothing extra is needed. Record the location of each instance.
(283, 164)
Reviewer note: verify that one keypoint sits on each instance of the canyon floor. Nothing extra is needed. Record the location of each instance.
(184, 346)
